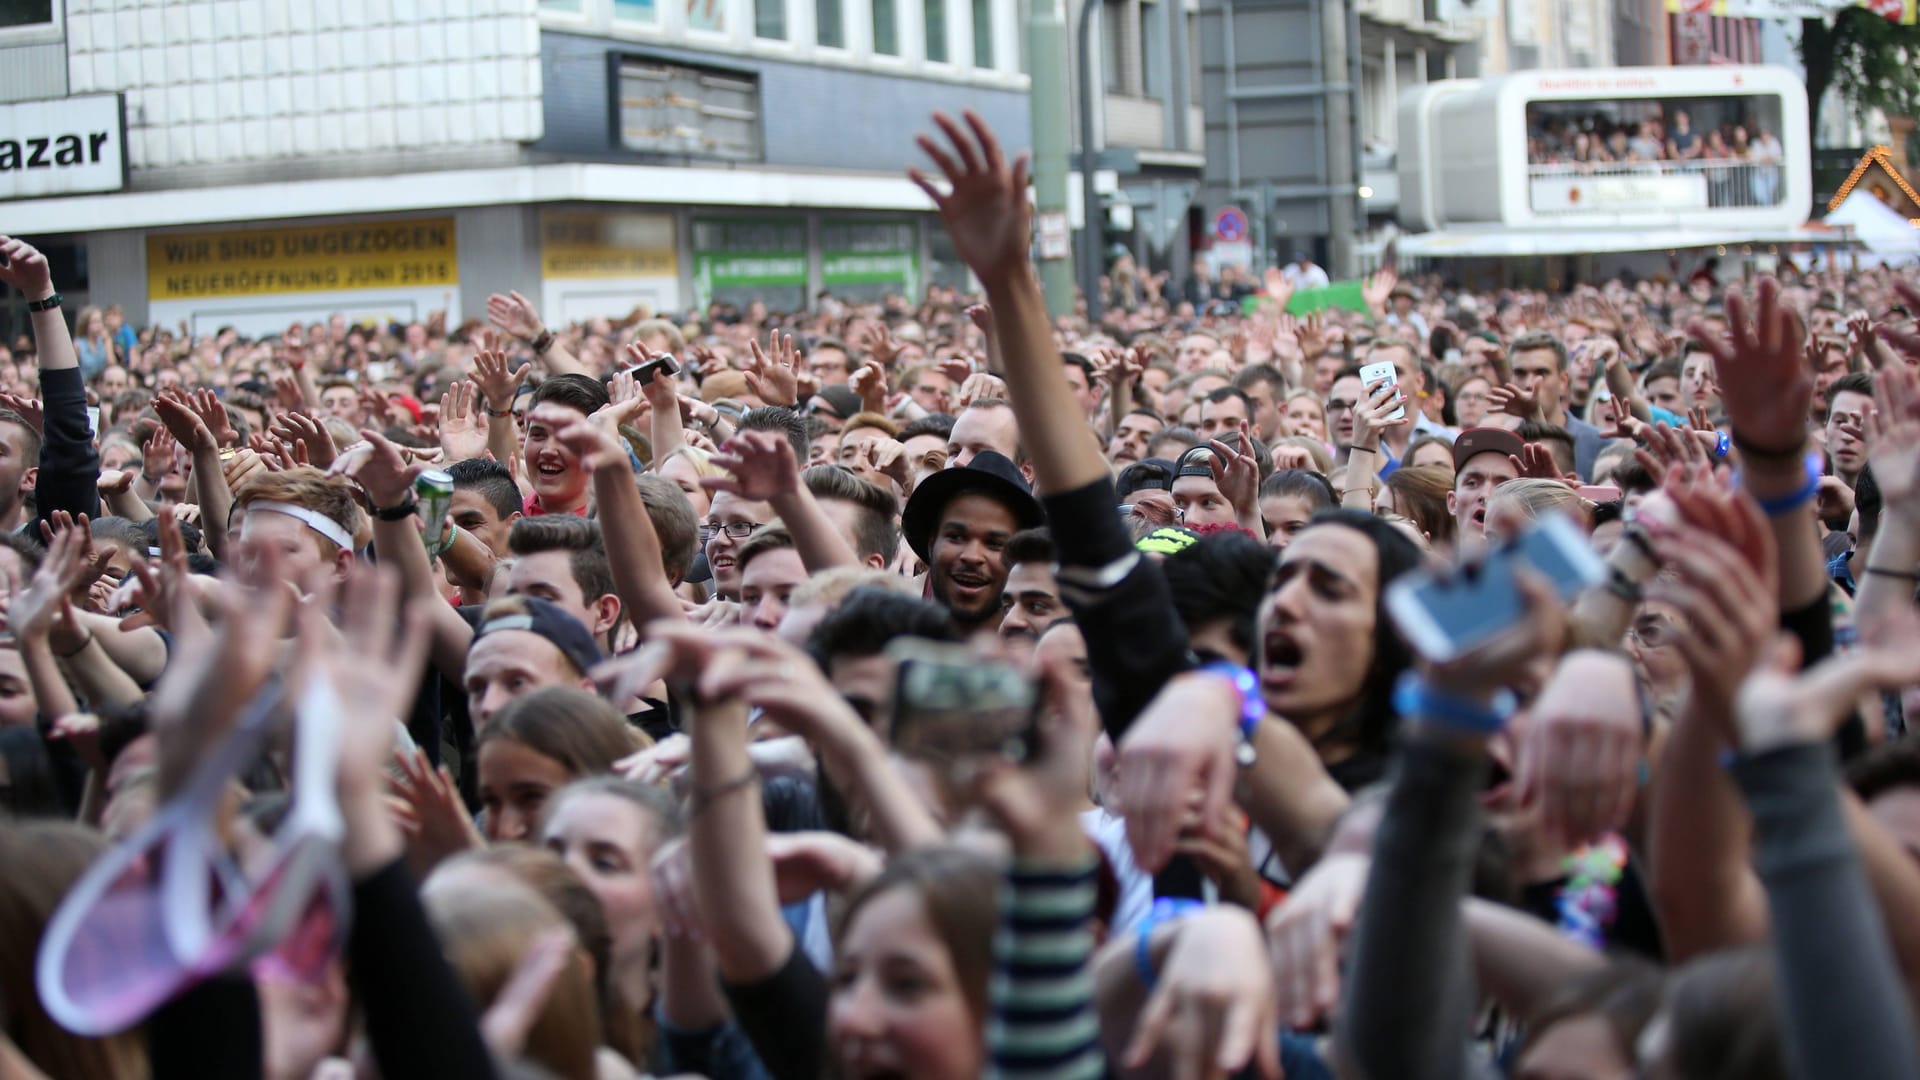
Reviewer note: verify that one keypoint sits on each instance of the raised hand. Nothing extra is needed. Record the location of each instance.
(498, 382)
(1378, 286)
(870, 382)
(981, 316)
(515, 316)
(1370, 416)
(463, 426)
(426, 804)
(1236, 472)
(23, 267)
(1307, 933)
(1663, 447)
(1580, 761)
(156, 456)
(287, 394)
(1278, 288)
(625, 402)
(90, 561)
(760, 464)
(380, 469)
(597, 446)
(1776, 708)
(31, 611)
(1536, 462)
(1766, 385)
(985, 208)
(1214, 1009)
(185, 423)
(1892, 429)
(309, 435)
(880, 346)
(979, 385)
(1722, 555)
(29, 409)
(1514, 400)
(775, 379)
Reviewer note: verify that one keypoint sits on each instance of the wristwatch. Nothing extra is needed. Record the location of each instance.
(397, 513)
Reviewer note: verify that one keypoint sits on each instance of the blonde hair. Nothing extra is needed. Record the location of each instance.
(329, 496)
(702, 463)
(1534, 497)
(829, 587)
(485, 932)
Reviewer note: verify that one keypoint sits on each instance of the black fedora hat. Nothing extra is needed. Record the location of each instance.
(988, 474)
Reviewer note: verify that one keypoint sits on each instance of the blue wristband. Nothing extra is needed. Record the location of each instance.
(1787, 504)
(1722, 446)
(1253, 708)
(1412, 697)
(1165, 909)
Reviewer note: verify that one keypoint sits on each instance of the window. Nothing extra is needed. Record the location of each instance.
(1113, 28)
(983, 33)
(886, 32)
(689, 112)
(770, 19)
(642, 11)
(563, 7)
(709, 15)
(19, 14)
(936, 12)
(828, 28)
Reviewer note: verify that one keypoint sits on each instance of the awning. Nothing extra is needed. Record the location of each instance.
(1521, 243)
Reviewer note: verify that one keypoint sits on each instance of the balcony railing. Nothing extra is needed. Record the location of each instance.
(1592, 187)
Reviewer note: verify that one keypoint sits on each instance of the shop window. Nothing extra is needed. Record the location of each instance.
(886, 30)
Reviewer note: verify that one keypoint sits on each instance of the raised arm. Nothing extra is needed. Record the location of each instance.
(633, 548)
(69, 466)
(986, 213)
(761, 466)
(499, 383)
(1888, 580)
(514, 314)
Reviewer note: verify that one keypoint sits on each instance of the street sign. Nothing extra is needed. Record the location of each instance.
(1230, 224)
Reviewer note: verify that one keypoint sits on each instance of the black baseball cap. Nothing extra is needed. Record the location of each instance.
(1485, 440)
(544, 618)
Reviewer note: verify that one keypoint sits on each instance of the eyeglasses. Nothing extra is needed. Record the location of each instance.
(1653, 633)
(738, 530)
(1337, 405)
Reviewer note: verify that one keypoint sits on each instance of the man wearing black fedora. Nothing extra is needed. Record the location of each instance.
(959, 521)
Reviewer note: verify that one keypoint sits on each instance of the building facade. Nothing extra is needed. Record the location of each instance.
(272, 160)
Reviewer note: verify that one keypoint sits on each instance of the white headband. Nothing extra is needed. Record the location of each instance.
(312, 519)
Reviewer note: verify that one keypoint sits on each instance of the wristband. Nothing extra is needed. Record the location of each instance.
(1624, 587)
(1253, 708)
(491, 411)
(542, 343)
(1165, 909)
(401, 512)
(49, 304)
(1412, 697)
(1637, 536)
(1787, 504)
(1722, 446)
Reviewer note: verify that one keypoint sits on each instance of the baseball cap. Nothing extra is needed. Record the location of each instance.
(1485, 440)
(1147, 474)
(837, 398)
(541, 617)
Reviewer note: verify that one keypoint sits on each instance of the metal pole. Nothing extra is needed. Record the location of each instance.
(1092, 230)
(1047, 102)
(1339, 147)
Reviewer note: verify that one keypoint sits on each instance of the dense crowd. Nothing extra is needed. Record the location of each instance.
(941, 689)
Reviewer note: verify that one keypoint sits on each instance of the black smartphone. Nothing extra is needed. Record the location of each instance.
(951, 704)
(664, 363)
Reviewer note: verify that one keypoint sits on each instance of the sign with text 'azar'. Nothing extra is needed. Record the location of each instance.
(350, 255)
(62, 147)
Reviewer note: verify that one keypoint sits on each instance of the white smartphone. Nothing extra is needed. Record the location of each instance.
(1374, 373)
(1444, 617)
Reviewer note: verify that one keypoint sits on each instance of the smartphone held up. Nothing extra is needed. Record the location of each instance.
(1444, 616)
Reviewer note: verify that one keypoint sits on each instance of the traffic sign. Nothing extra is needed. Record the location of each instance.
(1230, 224)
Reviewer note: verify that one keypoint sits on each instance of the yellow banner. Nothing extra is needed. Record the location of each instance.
(585, 245)
(1900, 11)
(317, 258)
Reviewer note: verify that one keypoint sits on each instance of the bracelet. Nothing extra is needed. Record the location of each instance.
(1253, 708)
(1756, 453)
(1413, 697)
(1722, 446)
(1637, 536)
(152, 481)
(508, 411)
(401, 512)
(80, 649)
(1888, 571)
(1165, 909)
(1624, 587)
(49, 304)
(703, 796)
(1787, 504)
(542, 343)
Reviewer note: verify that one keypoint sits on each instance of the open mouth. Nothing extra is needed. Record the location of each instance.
(1280, 658)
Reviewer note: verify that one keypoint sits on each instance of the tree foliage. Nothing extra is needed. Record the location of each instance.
(1870, 61)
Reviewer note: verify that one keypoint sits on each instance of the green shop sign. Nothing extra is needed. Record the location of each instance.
(872, 268)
